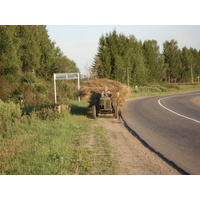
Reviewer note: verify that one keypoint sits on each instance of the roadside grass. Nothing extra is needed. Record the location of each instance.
(43, 147)
(33, 145)
(44, 142)
(164, 89)
(103, 162)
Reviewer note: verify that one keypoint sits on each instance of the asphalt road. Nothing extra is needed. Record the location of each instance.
(170, 125)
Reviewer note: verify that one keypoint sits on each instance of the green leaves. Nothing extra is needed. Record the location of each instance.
(132, 62)
(120, 58)
(154, 61)
(27, 56)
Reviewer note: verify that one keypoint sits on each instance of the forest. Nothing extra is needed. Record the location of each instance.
(28, 60)
(133, 62)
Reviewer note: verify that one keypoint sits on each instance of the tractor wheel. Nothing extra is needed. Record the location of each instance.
(116, 113)
(94, 112)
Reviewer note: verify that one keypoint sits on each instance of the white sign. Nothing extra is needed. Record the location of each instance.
(61, 76)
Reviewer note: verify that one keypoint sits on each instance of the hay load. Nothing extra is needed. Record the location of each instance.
(93, 88)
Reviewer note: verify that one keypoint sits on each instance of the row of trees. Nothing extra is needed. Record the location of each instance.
(130, 61)
(28, 59)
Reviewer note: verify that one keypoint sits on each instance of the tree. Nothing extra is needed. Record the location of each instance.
(9, 62)
(28, 59)
(29, 50)
(47, 53)
(135, 62)
(120, 58)
(172, 60)
(154, 61)
(104, 70)
(186, 59)
(195, 65)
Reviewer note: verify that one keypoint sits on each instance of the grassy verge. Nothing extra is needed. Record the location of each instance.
(55, 145)
(165, 89)
(102, 159)
(45, 142)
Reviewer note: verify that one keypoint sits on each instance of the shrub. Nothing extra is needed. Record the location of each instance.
(47, 113)
(151, 88)
(9, 114)
(28, 78)
(169, 86)
(6, 89)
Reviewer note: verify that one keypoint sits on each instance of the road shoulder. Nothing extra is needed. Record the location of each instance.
(133, 157)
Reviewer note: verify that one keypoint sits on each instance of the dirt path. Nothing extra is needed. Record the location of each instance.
(133, 157)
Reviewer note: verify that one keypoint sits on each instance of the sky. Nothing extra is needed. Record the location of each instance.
(76, 26)
(80, 42)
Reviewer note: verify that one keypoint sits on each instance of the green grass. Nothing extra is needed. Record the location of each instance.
(164, 89)
(45, 142)
(44, 146)
(103, 162)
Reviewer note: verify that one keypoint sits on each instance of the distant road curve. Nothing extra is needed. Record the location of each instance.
(162, 99)
(170, 125)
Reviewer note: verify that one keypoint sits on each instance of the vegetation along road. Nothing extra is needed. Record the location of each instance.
(170, 126)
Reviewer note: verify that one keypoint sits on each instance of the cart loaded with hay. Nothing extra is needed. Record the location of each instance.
(105, 96)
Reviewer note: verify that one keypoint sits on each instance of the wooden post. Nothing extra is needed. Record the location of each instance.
(127, 76)
(192, 79)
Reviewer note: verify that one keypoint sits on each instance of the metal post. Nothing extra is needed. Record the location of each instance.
(61, 76)
(54, 77)
(78, 87)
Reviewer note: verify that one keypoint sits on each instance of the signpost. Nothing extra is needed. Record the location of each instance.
(63, 76)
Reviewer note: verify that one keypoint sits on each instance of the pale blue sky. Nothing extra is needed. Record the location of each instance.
(80, 42)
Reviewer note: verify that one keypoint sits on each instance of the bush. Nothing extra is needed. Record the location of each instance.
(169, 86)
(151, 88)
(10, 113)
(29, 78)
(47, 113)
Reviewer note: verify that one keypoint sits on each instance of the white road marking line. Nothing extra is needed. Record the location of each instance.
(159, 102)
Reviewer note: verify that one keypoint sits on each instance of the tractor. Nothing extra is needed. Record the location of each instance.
(105, 105)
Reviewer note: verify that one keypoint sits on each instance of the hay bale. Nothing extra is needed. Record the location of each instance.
(93, 88)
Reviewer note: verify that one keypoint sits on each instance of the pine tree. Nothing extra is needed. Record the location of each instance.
(186, 60)
(120, 58)
(29, 50)
(9, 62)
(172, 60)
(104, 55)
(135, 62)
(153, 60)
(28, 59)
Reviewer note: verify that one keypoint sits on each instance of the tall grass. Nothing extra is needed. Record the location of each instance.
(163, 89)
(9, 114)
(39, 143)
(45, 142)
